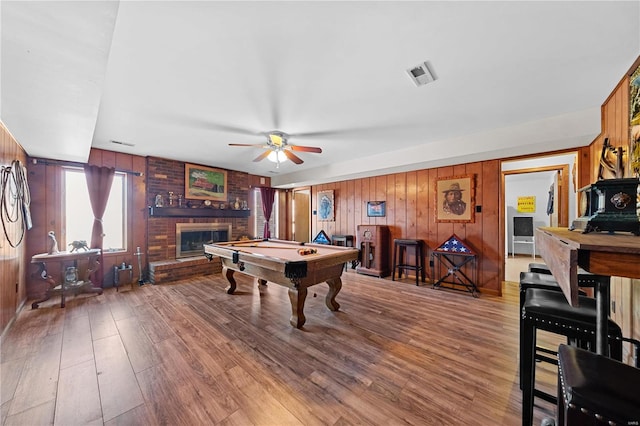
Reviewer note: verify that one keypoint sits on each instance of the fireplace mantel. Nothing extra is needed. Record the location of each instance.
(199, 212)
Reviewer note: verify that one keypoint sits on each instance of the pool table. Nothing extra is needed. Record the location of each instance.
(280, 262)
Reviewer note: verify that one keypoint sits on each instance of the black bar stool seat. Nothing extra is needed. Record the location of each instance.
(540, 268)
(596, 390)
(536, 280)
(400, 255)
(585, 279)
(549, 310)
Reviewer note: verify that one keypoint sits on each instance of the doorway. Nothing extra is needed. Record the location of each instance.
(301, 213)
(547, 184)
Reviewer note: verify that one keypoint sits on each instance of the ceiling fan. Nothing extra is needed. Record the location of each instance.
(279, 150)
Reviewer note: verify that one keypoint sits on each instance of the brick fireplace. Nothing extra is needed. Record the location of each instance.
(165, 175)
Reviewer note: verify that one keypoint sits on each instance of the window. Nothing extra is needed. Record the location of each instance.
(258, 224)
(79, 216)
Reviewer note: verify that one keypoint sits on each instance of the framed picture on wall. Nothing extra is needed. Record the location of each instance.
(204, 183)
(325, 205)
(376, 208)
(455, 199)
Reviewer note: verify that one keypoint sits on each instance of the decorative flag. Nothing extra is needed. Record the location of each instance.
(454, 245)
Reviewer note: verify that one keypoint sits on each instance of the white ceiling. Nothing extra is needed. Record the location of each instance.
(182, 80)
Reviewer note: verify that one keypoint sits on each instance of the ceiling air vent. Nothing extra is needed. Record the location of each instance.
(422, 74)
(122, 143)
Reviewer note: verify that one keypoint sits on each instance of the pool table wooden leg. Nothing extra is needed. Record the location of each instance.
(228, 274)
(335, 285)
(297, 296)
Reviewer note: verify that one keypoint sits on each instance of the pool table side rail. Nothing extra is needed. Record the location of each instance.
(320, 267)
(322, 259)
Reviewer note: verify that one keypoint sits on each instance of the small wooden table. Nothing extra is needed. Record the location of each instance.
(58, 263)
(599, 253)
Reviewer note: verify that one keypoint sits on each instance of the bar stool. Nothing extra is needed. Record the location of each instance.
(585, 279)
(596, 390)
(540, 268)
(535, 280)
(400, 251)
(543, 281)
(539, 276)
(548, 310)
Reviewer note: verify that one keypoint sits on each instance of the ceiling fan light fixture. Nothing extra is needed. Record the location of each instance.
(277, 139)
(277, 157)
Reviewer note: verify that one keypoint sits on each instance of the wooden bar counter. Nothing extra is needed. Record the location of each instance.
(599, 253)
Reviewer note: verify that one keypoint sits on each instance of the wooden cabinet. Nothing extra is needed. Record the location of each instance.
(373, 242)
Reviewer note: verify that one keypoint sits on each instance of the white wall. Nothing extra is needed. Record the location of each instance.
(525, 185)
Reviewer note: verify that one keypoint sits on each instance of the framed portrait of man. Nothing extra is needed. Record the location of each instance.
(455, 199)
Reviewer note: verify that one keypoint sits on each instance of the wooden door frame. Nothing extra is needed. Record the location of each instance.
(564, 198)
(563, 204)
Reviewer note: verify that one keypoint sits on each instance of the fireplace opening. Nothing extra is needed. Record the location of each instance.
(191, 237)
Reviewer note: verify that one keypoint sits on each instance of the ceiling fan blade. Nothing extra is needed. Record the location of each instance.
(248, 144)
(291, 156)
(275, 113)
(229, 128)
(262, 156)
(306, 148)
(356, 131)
(206, 124)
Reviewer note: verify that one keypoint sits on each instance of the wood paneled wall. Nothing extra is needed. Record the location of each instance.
(46, 183)
(12, 259)
(410, 198)
(615, 127)
(625, 293)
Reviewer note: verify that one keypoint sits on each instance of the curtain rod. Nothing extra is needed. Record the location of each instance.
(76, 164)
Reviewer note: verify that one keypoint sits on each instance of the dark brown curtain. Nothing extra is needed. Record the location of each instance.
(268, 195)
(99, 180)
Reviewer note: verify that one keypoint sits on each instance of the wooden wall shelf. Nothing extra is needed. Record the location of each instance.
(199, 212)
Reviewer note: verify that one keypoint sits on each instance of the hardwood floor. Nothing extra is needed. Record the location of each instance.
(188, 353)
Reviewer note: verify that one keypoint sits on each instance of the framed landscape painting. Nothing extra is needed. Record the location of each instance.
(205, 183)
(455, 199)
